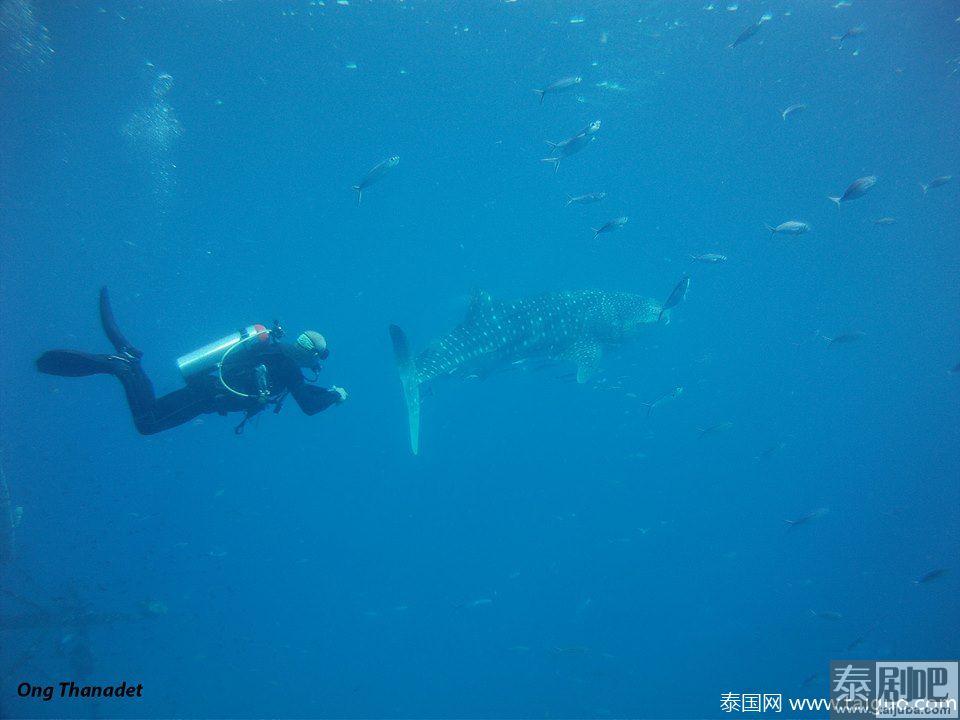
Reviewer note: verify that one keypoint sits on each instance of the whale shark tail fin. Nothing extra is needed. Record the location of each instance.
(408, 380)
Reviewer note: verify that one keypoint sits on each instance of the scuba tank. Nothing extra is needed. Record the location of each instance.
(212, 355)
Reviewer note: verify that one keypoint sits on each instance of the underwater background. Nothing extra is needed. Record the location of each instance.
(556, 549)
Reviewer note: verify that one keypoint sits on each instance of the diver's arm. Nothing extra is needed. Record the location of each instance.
(313, 398)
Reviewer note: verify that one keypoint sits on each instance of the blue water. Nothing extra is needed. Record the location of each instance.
(552, 552)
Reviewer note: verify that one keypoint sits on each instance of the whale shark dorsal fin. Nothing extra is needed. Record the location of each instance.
(585, 354)
(480, 302)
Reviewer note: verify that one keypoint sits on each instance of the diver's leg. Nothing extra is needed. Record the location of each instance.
(179, 407)
(110, 327)
(151, 414)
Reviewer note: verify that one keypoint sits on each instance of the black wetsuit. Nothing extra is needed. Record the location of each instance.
(205, 394)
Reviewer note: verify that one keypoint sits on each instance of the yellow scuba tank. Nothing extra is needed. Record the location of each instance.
(212, 355)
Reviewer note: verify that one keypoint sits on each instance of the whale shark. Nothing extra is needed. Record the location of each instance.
(572, 327)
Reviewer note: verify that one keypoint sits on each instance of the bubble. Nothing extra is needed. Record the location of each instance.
(162, 84)
(24, 42)
(151, 134)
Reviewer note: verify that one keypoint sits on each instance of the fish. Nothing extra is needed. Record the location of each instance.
(7, 522)
(845, 338)
(672, 395)
(677, 296)
(479, 602)
(747, 33)
(792, 110)
(591, 128)
(885, 221)
(610, 226)
(804, 519)
(790, 227)
(559, 86)
(714, 429)
(930, 575)
(154, 607)
(857, 189)
(936, 182)
(858, 641)
(574, 327)
(571, 650)
(827, 615)
(771, 450)
(585, 199)
(852, 32)
(611, 85)
(572, 145)
(855, 643)
(375, 174)
(709, 258)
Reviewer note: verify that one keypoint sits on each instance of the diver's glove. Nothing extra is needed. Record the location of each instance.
(341, 392)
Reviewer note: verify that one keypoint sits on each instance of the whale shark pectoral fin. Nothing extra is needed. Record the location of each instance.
(408, 380)
(586, 355)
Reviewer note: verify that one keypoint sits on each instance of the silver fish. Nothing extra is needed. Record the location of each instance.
(710, 258)
(678, 295)
(771, 450)
(375, 174)
(748, 32)
(611, 86)
(804, 519)
(572, 145)
(857, 189)
(790, 227)
(591, 128)
(931, 575)
(845, 338)
(610, 226)
(936, 182)
(559, 86)
(714, 429)
(793, 109)
(672, 395)
(885, 221)
(852, 32)
(827, 615)
(585, 199)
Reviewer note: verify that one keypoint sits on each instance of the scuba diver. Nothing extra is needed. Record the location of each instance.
(246, 372)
